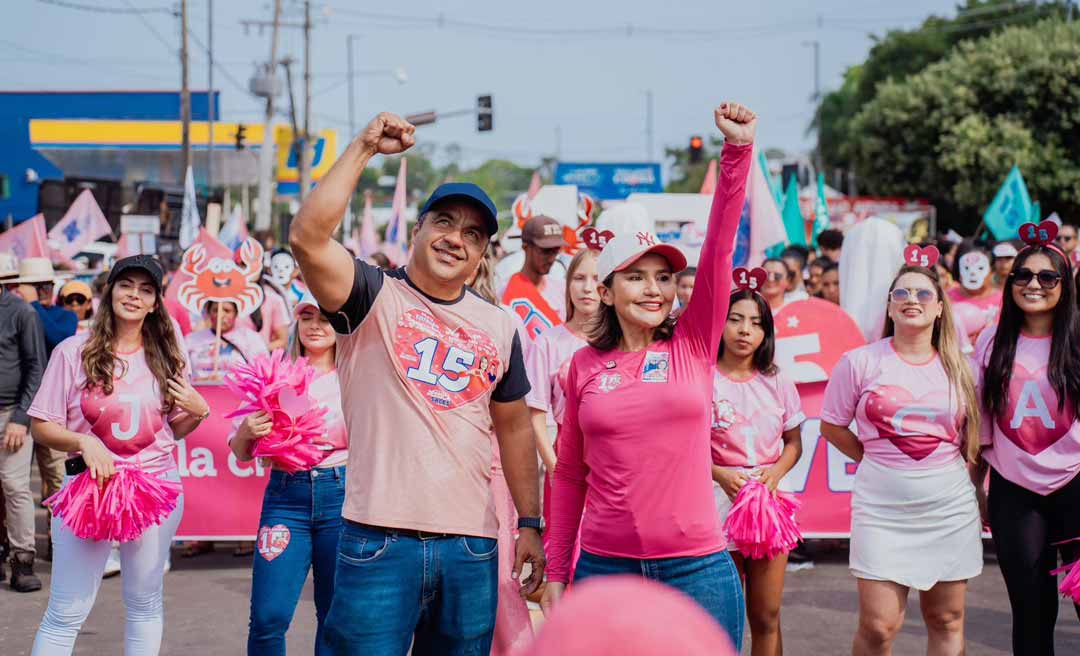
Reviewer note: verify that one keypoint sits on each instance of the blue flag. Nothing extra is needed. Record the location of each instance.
(1010, 209)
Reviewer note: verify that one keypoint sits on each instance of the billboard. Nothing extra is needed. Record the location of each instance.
(610, 181)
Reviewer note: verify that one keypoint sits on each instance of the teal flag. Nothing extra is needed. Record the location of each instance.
(1036, 212)
(793, 218)
(774, 188)
(821, 210)
(1010, 209)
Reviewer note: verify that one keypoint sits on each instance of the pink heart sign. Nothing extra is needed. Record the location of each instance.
(927, 257)
(1038, 235)
(273, 541)
(595, 239)
(913, 424)
(752, 279)
(1032, 420)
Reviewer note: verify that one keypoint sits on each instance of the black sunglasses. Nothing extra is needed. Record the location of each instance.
(1047, 279)
(74, 299)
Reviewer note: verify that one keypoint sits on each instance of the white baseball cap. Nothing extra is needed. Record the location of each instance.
(306, 300)
(1005, 249)
(628, 247)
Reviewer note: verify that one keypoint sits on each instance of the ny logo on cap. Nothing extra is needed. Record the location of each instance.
(646, 239)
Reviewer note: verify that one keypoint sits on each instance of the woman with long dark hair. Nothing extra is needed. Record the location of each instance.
(119, 393)
(914, 515)
(1030, 393)
(755, 435)
(307, 503)
(635, 434)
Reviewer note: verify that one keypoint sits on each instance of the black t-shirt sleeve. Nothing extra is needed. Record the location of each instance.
(367, 282)
(515, 383)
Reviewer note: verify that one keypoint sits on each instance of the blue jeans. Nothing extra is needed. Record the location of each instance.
(298, 530)
(712, 581)
(392, 586)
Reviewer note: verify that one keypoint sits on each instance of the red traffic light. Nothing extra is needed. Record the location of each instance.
(695, 142)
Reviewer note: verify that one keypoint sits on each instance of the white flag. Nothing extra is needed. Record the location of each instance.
(189, 215)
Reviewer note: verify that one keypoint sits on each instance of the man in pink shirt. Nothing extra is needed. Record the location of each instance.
(427, 370)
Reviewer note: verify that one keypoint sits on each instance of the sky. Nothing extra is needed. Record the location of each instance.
(568, 78)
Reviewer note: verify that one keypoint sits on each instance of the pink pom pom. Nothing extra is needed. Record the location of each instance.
(761, 524)
(1070, 585)
(132, 502)
(278, 386)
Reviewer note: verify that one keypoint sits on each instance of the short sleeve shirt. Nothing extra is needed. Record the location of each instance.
(417, 376)
(749, 418)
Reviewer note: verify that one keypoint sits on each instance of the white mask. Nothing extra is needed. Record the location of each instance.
(282, 267)
(974, 267)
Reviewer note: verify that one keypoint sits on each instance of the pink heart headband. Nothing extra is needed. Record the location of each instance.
(752, 279)
(596, 239)
(914, 255)
(1042, 235)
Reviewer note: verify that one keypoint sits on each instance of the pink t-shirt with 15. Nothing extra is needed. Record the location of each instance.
(129, 422)
(749, 418)
(907, 415)
(1035, 445)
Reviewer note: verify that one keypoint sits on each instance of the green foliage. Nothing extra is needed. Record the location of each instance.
(953, 131)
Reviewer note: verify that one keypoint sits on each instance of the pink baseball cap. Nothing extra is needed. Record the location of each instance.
(626, 248)
(629, 616)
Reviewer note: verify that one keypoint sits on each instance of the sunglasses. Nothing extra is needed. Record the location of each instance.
(921, 296)
(1047, 279)
(74, 299)
(1065, 238)
(777, 277)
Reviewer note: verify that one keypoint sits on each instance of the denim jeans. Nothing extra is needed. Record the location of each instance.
(391, 587)
(712, 581)
(298, 531)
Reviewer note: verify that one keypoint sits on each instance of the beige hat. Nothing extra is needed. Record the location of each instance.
(34, 270)
(9, 266)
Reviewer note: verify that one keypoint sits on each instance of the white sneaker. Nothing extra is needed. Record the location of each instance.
(112, 565)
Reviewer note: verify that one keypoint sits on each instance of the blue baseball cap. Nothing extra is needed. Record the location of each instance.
(469, 192)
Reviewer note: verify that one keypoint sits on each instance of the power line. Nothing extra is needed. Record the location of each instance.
(107, 10)
(153, 30)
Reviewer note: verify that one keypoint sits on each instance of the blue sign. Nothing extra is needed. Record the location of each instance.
(610, 181)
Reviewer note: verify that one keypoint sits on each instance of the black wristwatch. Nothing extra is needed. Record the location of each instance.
(536, 523)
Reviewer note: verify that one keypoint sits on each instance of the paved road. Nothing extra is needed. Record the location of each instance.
(207, 607)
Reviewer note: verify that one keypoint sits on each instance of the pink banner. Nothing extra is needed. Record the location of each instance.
(222, 496)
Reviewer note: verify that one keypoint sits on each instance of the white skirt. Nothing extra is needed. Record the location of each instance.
(724, 502)
(915, 527)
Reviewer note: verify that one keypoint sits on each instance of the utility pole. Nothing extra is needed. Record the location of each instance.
(819, 164)
(266, 153)
(558, 142)
(185, 93)
(210, 96)
(306, 151)
(648, 126)
(352, 99)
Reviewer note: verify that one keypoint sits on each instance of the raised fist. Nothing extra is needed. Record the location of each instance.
(737, 123)
(387, 134)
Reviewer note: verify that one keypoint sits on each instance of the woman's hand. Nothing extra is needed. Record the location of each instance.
(731, 481)
(553, 592)
(770, 478)
(186, 398)
(99, 462)
(254, 426)
(736, 122)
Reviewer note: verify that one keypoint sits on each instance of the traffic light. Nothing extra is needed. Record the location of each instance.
(485, 117)
(697, 149)
(241, 135)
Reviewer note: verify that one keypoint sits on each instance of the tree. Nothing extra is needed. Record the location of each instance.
(900, 54)
(953, 131)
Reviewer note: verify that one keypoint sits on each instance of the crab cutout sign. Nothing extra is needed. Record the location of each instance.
(221, 280)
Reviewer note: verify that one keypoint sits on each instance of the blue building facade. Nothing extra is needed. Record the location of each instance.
(17, 108)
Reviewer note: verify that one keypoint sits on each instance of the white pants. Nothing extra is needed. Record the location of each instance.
(76, 576)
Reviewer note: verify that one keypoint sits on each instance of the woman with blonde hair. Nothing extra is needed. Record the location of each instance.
(307, 503)
(914, 515)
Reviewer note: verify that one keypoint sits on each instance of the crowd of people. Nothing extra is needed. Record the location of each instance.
(507, 437)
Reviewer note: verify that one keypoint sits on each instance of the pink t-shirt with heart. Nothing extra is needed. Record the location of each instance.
(907, 415)
(974, 314)
(547, 362)
(749, 418)
(1035, 445)
(129, 422)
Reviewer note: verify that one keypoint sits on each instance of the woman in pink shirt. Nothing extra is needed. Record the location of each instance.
(211, 358)
(547, 360)
(635, 435)
(119, 393)
(914, 517)
(301, 512)
(755, 434)
(1031, 437)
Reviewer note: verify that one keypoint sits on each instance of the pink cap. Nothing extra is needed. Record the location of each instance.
(629, 616)
(626, 248)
